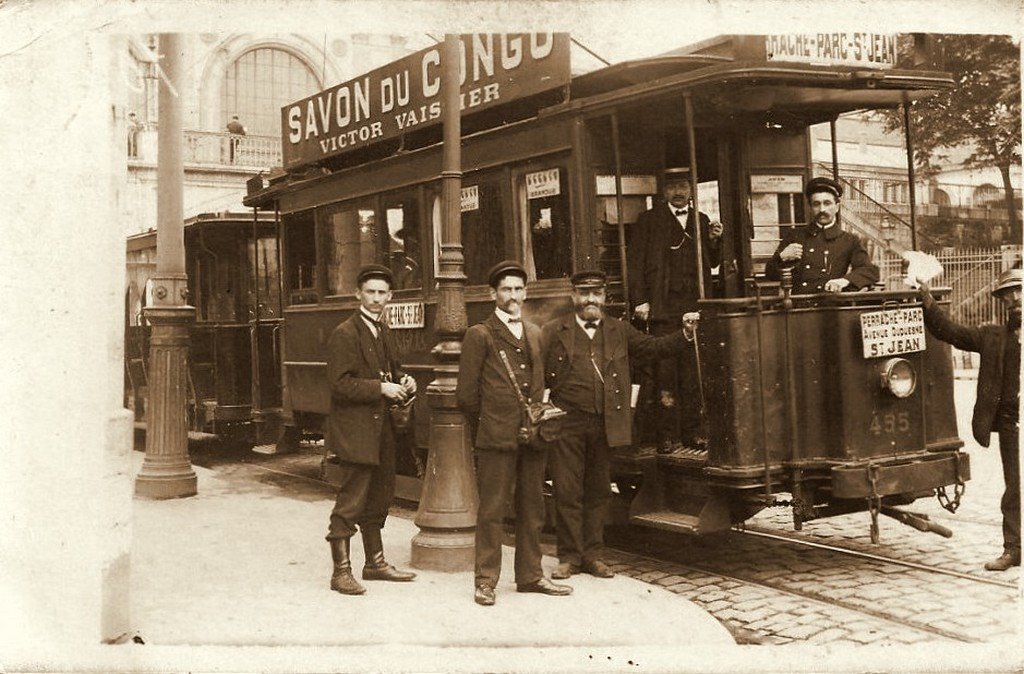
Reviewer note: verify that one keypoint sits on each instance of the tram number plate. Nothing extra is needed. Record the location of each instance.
(892, 331)
(404, 315)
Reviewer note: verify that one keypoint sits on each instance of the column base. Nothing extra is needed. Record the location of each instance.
(163, 482)
(444, 550)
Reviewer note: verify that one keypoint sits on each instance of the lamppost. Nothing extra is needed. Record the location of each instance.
(448, 503)
(167, 471)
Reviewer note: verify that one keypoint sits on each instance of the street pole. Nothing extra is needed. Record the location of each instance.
(167, 471)
(448, 503)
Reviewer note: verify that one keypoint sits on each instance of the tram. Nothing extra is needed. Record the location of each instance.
(556, 170)
(234, 367)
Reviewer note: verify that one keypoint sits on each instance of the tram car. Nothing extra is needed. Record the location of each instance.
(801, 411)
(234, 374)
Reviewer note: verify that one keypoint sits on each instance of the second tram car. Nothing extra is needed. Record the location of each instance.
(234, 365)
(556, 178)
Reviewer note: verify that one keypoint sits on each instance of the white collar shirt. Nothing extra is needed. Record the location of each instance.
(515, 325)
(370, 320)
(583, 325)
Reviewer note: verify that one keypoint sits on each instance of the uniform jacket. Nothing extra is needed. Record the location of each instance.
(657, 231)
(988, 340)
(828, 254)
(483, 391)
(621, 342)
(358, 410)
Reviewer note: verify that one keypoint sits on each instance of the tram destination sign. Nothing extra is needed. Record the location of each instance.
(892, 331)
(865, 50)
(406, 94)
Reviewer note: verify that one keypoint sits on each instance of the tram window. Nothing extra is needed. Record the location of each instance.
(300, 257)
(263, 276)
(401, 249)
(544, 211)
(351, 234)
(483, 228)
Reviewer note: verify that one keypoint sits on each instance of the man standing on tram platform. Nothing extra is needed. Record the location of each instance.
(365, 380)
(997, 408)
(586, 366)
(664, 286)
(823, 257)
(506, 466)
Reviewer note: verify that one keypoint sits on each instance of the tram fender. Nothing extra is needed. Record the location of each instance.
(930, 472)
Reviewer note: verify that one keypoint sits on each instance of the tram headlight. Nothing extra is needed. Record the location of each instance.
(899, 377)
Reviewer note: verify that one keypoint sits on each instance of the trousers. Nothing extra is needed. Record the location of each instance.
(365, 491)
(1009, 452)
(506, 478)
(581, 468)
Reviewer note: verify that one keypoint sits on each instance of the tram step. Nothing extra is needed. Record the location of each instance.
(670, 520)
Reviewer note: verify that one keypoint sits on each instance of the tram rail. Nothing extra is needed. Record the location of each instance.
(873, 557)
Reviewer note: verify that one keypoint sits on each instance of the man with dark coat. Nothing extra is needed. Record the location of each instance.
(664, 286)
(997, 407)
(586, 366)
(365, 379)
(823, 257)
(504, 464)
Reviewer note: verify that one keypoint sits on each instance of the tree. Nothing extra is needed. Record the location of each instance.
(981, 112)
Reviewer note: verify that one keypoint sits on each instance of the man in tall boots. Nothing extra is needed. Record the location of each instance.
(363, 370)
(586, 365)
(997, 408)
(664, 286)
(505, 463)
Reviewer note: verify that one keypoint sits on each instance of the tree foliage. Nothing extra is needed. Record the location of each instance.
(981, 112)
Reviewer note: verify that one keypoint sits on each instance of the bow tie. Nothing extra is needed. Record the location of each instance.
(591, 325)
(515, 320)
(681, 212)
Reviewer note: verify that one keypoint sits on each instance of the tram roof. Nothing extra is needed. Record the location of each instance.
(143, 240)
(723, 76)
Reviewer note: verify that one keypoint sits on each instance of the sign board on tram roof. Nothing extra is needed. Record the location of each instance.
(865, 50)
(406, 94)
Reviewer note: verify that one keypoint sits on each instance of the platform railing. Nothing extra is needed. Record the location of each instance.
(214, 148)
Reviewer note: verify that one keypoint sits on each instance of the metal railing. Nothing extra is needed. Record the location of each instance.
(971, 273)
(215, 148)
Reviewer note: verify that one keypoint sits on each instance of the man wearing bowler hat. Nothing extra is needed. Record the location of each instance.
(997, 408)
(823, 257)
(365, 380)
(507, 466)
(586, 366)
(664, 286)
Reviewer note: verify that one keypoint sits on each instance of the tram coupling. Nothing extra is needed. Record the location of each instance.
(919, 521)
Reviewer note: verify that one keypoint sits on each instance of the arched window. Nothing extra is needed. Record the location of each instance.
(940, 197)
(258, 83)
(986, 193)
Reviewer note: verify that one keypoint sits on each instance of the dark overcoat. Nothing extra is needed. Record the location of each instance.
(355, 364)
(657, 232)
(988, 340)
(829, 253)
(484, 392)
(621, 342)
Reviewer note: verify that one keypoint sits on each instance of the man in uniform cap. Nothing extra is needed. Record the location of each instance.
(506, 467)
(824, 258)
(997, 407)
(586, 366)
(365, 380)
(664, 286)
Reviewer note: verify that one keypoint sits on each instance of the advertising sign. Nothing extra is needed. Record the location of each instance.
(776, 184)
(406, 94)
(542, 184)
(470, 198)
(866, 50)
(892, 331)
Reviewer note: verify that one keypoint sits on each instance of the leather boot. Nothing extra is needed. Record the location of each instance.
(342, 580)
(375, 567)
(1004, 561)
